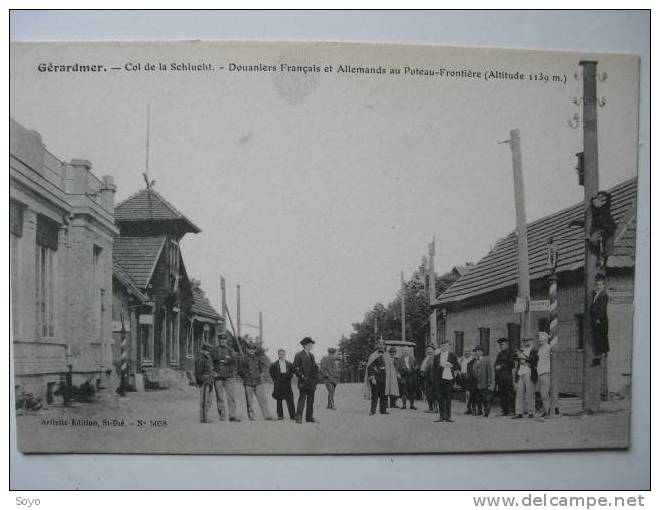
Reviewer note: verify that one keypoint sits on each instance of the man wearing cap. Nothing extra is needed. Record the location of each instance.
(224, 364)
(252, 369)
(480, 373)
(204, 379)
(281, 372)
(426, 375)
(377, 374)
(405, 366)
(543, 369)
(307, 371)
(504, 365)
(330, 375)
(445, 366)
(525, 378)
(465, 381)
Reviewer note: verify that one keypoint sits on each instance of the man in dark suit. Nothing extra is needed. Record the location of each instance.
(405, 367)
(599, 320)
(307, 371)
(504, 365)
(281, 372)
(445, 366)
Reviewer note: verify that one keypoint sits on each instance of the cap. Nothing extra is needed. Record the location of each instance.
(307, 340)
(543, 335)
(332, 350)
(502, 340)
(478, 348)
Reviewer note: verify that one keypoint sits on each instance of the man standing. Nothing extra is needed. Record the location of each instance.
(330, 375)
(224, 363)
(281, 372)
(599, 320)
(204, 379)
(251, 369)
(426, 374)
(525, 377)
(445, 365)
(543, 369)
(377, 373)
(481, 376)
(465, 381)
(504, 365)
(405, 366)
(393, 376)
(307, 371)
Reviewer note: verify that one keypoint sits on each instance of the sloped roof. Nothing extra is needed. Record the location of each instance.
(137, 256)
(202, 306)
(463, 270)
(499, 268)
(123, 277)
(149, 205)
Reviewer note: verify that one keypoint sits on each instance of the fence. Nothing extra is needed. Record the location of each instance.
(570, 372)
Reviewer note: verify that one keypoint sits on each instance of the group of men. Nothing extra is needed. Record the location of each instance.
(216, 369)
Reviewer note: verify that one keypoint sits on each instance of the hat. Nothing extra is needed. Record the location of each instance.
(520, 355)
(445, 341)
(332, 350)
(307, 340)
(478, 348)
(392, 349)
(430, 346)
(543, 335)
(206, 346)
(600, 277)
(251, 346)
(527, 339)
(502, 340)
(467, 352)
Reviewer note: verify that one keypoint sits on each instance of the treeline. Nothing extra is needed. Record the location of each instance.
(355, 349)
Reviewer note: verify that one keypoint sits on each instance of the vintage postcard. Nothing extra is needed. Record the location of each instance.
(321, 248)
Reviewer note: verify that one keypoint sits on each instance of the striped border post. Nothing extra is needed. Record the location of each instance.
(123, 357)
(553, 258)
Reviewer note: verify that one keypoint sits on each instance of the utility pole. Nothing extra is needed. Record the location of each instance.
(223, 294)
(403, 309)
(521, 230)
(433, 321)
(238, 312)
(261, 328)
(592, 374)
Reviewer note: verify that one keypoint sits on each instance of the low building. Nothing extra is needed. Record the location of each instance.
(479, 307)
(61, 219)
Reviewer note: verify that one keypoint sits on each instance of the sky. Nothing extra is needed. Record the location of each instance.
(313, 191)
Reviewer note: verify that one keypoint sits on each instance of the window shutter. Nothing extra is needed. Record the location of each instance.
(15, 218)
(47, 232)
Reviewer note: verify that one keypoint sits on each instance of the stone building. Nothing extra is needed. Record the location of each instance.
(479, 307)
(61, 219)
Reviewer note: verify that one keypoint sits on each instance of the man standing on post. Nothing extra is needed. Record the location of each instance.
(405, 366)
(504, 366)
(224, 363)
(281, 372)
(330, 375)
(307, 371)
(445, 365)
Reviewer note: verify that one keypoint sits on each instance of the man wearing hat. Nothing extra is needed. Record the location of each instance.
(525, 378)
(543, 369)
(224, 364)
(405, 366)
(307, 371)
(428, 382)
(394, 376)
(465, 381)
(480, 373)
(330, 375)
(504, 365)
(599, 320)
(377, 375)
(445, 366)
(204, 379)
(252, 369)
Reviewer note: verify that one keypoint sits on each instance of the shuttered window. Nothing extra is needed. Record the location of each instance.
(484, 340)
(459, 345)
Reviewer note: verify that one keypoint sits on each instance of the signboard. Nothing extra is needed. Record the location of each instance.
(519, 306)
(146, 319)
(541, 305)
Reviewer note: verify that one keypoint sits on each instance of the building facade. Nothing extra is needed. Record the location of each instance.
(479, 307)
(61, 237)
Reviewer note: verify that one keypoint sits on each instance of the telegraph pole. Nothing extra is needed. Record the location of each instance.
(403, 309)
(521, 230)
(432, 320)
(261, 328)
(238, 312)
(592, 374)
(223, 294)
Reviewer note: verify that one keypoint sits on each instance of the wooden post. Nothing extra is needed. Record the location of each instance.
(592, 374)
(433, 321)
(223, 303)
(553, 260)
(238, 313)
(521, 231)
(403, 309)
(261, 329)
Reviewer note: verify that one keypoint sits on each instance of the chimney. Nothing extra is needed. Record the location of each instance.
(78, 178)
(108, 192)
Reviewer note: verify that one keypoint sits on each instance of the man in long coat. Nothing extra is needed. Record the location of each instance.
(391, 383)
(281, 372)
(599, 320)
(307, 371)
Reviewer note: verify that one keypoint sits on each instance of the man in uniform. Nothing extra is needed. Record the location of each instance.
(330, 375)
(377, 373)
(504, 366)
(204, 379)
(251, 369)
(405, 366)
(224, 363)
(307, 371)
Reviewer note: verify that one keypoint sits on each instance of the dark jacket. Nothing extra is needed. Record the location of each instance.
(437, 369)
(251, 369)
(532, 360)
(402, 370)
(281, 382)
(480, 373)
(599, 322)
(306, 369)
(224, 361)
(377, 369)
(329, 371)
(203, 368)
(504, 365)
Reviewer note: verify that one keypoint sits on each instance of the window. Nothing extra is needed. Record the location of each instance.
(97, 291)
(173, 257)
(579, 321)
(44, 276)
(459, 343)
(189, 342)
(143, 339)
(544, 325)
(513, 334)
(484, 340)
